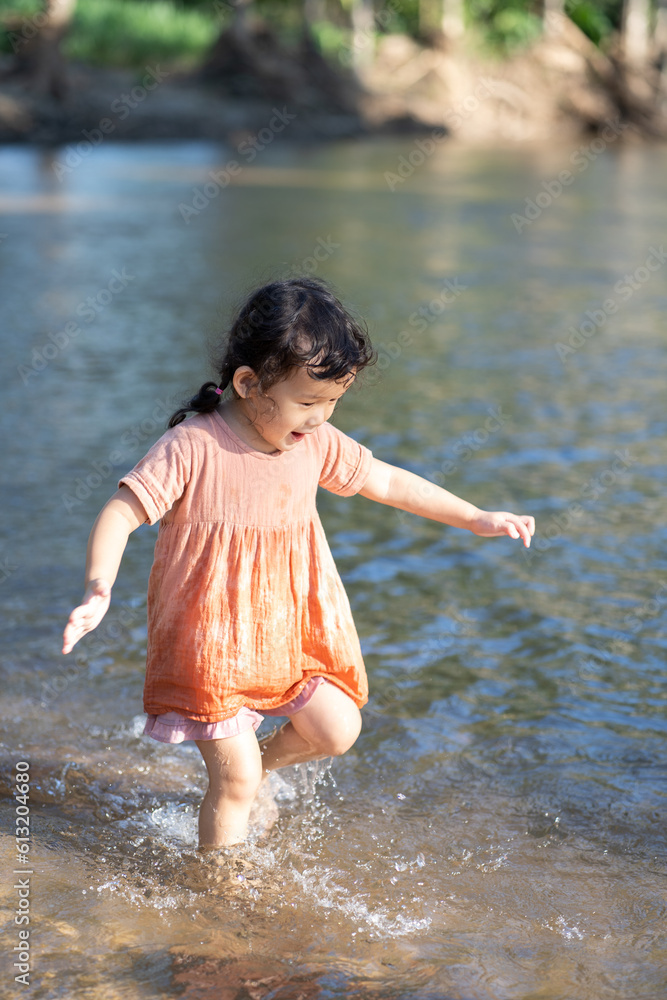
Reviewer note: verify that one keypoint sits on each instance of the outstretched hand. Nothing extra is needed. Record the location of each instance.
(490, 524)
(89, 614)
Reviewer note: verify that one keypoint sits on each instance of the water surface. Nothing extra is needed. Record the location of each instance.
(498, 831)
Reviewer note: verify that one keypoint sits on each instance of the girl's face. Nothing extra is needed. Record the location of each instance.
(296, 406)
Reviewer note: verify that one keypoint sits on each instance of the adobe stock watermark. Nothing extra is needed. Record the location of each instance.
(248, 149)
(7, 568)
(463, 449)
(121, 108)
(104, 639)
(454, 118)
(581, 158)
(364, 39)
(624, 288)
(21, 950)
(446, 643)
(103, 469)
(87, 310)
(470, 443)
(324, 248)
(589, 669)
(408, 163)
(30, 28)
(420, 320)
(649, 609)
(592, 489)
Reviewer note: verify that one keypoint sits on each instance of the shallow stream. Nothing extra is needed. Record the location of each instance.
(498, 830)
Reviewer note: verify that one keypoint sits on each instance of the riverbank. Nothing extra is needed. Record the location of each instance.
(561, 88)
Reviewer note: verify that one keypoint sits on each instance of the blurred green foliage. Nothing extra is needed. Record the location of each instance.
(127, 33)
(506, 25)
(179, 32)
(597, 20)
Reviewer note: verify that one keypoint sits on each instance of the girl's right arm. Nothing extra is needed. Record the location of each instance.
(120, 516)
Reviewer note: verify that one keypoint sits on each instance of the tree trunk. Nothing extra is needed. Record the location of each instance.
(635, 31)
(660, 44)
(660, 41)
(552, 10)
(363, 32)
(242, 11)
(430, 17)
(314, 11)
(660, 36)
(453, 25)
(41, 58)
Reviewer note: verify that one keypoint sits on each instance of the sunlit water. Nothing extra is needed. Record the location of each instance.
(498, 831)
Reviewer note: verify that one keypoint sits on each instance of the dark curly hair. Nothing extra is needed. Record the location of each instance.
(280, 326)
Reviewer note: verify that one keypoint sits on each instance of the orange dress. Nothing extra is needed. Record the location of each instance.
(245, 603)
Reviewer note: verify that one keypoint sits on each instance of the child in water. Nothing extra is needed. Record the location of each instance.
(247, 615)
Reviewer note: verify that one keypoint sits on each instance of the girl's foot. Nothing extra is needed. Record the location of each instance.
(213, 868)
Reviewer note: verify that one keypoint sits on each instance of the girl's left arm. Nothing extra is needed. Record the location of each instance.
(399, 488)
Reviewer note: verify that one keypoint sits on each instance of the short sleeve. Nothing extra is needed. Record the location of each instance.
(346, 463)
(160, 478)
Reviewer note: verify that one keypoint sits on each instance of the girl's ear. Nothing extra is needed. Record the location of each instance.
(244, 381)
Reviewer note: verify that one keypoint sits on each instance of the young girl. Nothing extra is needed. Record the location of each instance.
(247, 615)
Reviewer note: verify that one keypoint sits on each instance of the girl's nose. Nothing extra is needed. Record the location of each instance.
(319, 416)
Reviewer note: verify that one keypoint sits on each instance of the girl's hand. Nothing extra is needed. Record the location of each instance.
(490, 524)
(89, 614)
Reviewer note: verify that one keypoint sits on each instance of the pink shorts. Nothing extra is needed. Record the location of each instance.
(170, 727)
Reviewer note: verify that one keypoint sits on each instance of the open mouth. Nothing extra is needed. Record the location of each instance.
(297, 436)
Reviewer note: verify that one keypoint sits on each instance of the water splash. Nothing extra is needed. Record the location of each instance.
(322, 886)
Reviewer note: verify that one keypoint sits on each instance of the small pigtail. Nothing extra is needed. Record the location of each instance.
(204, 401)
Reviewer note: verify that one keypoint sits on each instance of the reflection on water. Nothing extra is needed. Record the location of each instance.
(498, 829)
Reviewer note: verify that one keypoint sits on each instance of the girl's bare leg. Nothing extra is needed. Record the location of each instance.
(326, 727)
(234, 768)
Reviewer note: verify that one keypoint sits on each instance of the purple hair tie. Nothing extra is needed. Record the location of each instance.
(219, 392)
